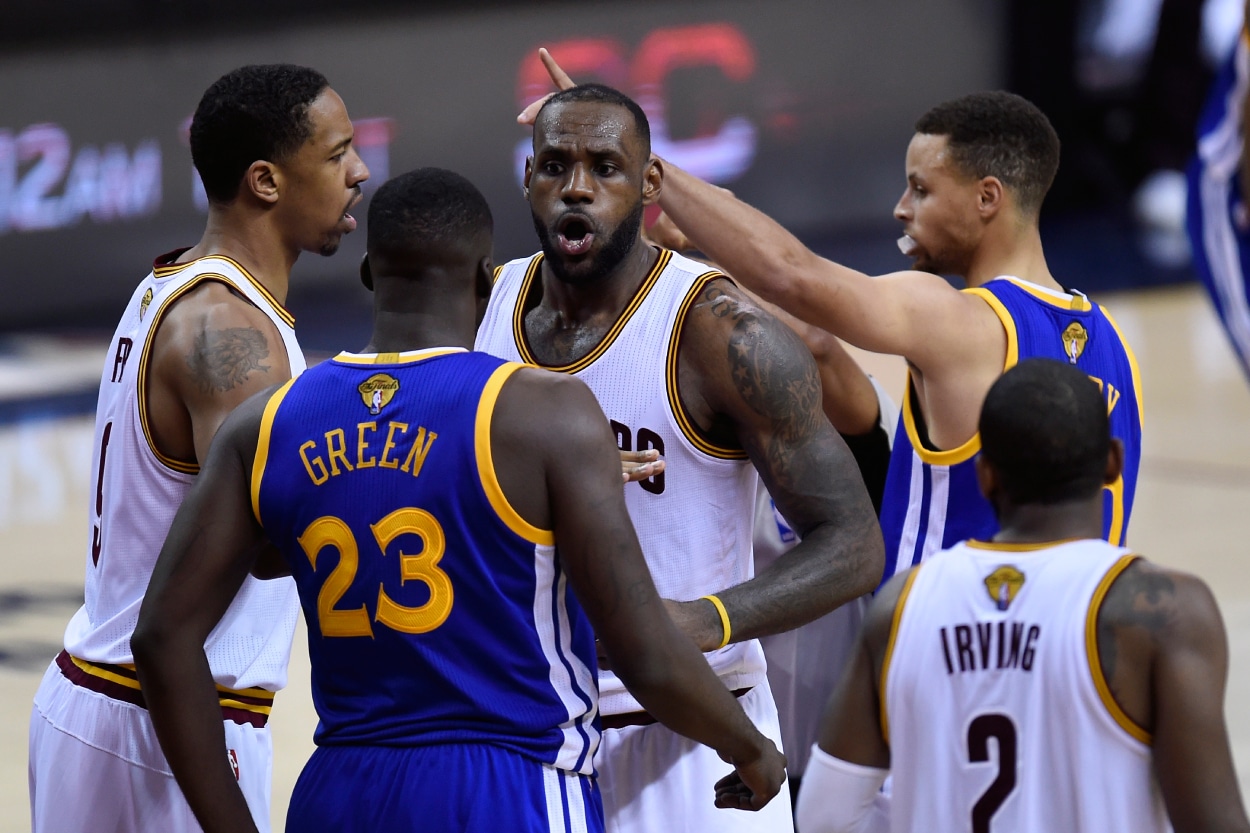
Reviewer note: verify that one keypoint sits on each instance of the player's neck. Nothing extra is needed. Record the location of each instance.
(1015, 251)
(252, 245)
(607, 296)
(1037, 523)
(416, 315)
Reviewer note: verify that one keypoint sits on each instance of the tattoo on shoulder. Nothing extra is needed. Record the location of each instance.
(222, 359)
(1139, 598)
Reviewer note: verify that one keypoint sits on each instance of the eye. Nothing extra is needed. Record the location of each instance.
(552, 168)
(338, 156)
(605, 169)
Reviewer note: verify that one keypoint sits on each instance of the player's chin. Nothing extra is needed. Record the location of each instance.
(330, 245)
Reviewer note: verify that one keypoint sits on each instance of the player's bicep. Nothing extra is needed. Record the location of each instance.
(233, 355)
(1190, 744)
(767, 384)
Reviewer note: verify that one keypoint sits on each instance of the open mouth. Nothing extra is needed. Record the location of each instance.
(348, 219)
(574, 235)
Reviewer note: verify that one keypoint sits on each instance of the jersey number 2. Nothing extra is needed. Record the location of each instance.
(329, 531)
(999, 727)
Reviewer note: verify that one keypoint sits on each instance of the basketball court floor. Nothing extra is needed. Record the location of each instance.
(1192, 512)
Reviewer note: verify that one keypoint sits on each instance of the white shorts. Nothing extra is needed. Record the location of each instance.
(652, 779)
(804, 666)
(96, 765)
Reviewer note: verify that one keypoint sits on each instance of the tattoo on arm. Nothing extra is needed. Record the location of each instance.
(1139, 599)
(222, 359)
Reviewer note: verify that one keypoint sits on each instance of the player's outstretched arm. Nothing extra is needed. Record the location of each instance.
(1165, 655)
(556, 456)
(211, 547)
(761, 385)
(213, 350)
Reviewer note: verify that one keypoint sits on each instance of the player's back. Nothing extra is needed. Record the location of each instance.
(932, 500)
(995, 705)
(136, 489)
(436, 613)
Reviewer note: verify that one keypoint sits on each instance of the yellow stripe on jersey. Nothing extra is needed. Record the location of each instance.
(1008, 546)
(1065, 301)
(180, 466)
(1132, 363)
(518, 316)
(1091, 651)
(969, 449)
(407, 357)
(278, 308)
(103, 673)
(684, 422)
(262, 444)
(495, 277)
(889, 647)
(486, 463)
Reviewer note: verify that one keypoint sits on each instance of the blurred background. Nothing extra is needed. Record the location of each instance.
(803, 108)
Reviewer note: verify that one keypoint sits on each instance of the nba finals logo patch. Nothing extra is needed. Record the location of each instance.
(1003, 584)
(1074, 338)
(234, 763)
(377, 391)
(143, 305)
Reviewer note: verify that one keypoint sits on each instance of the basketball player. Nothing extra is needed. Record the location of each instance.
(682, 362)
(1219, 219)
(1043, 680)
(978, 169)
(864, 415)
(451, 644)
(203, 331)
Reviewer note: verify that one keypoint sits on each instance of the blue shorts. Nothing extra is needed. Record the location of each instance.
(452, 788)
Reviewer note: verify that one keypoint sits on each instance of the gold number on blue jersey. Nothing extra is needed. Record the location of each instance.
(329, 531)
(421, 567)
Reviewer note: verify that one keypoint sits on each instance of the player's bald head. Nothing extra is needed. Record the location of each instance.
(637, 126)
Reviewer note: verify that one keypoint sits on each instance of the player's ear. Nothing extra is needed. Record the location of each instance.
(987, 478)
(652, 180)
(990, 195)
(263, 180)
(366, 272)
(484, 280)
(1115, 462)
(525, 180)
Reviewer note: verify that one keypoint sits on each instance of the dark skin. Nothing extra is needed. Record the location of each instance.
(1161, 643)
(745, 378)
(565, 481)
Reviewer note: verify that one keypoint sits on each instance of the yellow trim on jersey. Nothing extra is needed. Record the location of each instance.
(407, 357)
(174, 268)
(969, 449)
(495, 278)
(262, 444)
(88, 667)
(180, 466)
(1132, 363)
(889, 647)
(684, 422)
(1091, 651)
(1073, 302)
(486, 463)
(518, 316)
(1008, 546)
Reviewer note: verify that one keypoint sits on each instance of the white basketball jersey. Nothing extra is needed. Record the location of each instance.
(136, 491)
(995, 706)
(694, 521)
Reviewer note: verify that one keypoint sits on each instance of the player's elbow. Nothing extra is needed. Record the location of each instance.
(152, 641)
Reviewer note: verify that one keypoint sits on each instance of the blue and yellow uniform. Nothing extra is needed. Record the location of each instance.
(453, 670)
(1218, 217)
(932, 500)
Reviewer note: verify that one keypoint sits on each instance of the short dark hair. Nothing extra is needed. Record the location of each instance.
(999, 134)
(253, 112)
(427, 210)
(1045, 430)
(603, 94)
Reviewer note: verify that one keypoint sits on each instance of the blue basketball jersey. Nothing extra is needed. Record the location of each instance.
(1218, 217)
(436, 614)
(932, 500)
